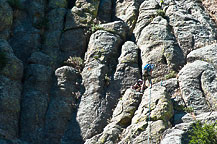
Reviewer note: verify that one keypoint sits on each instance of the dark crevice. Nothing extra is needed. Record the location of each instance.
(63, 28)
(71, 3)
(156, 102)
(164, 60)
(140, 62)
(113, 10)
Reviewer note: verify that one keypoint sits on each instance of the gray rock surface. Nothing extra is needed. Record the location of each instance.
(158, 46)
(209, 87)
(10, 92)
(192, 27)
(74, 42)
(105, 10)
(127, 71)
(10, 97)
(35, 100)
(100, 59)
(26, 37)
(175, 134)
(161, 111)
(178, 134)
(15, 141)
(207, 53)
(62, 104)
(56, 19)
(190, 85)
(14, 67)
(126, 74)
(121, 118)
(44, 102)
(116, 27)
(82, 14)
(54, 4)
(126, 11)
(6, 19)
(52, 35)
(40, 58)
(36, 11)
(147, 12)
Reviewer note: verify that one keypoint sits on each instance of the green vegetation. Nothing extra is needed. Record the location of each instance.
(3, 60)
(161, 13)
(203, 133)
(75, 62)
(15, 4)
(188, 109)
(97, 55)
(95, 27)
(161, 3)
(107, 80)
(172, 74)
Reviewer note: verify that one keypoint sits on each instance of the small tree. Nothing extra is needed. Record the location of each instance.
(75, 62)
(203, 133)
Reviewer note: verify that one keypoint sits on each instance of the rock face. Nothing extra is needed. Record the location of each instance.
(192, 27)
(190, 85)
(177, 134)
(62, 104)
(121, 118)
(10, 92)
(6, 19)
(157, 118)
(99, 58)
(67, 67)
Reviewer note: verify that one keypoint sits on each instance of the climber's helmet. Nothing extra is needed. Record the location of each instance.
(149, 67)
(140, 81)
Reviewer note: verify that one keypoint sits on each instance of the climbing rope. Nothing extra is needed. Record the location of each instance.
(149, 115)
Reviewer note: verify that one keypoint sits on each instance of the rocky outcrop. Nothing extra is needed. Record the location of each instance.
(100, 59)
(116, 27)
(82, 14)
(192, 27)
(158, 44)
(190, 85)
(26, 37)
(105, 11)
(208, 77)
(10, 92)
(178, 134)
(51, 37)
(6, 19)
(63, 102)
(121, 118)
(43, 101)
(208, 54)
(147, 12)
(142, 126)
(35, 100)
(210, 5)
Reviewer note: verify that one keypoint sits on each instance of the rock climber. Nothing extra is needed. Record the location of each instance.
(138, 85)
(147, 72)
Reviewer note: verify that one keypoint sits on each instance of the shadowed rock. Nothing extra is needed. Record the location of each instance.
(6, 19)
(10, 92)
